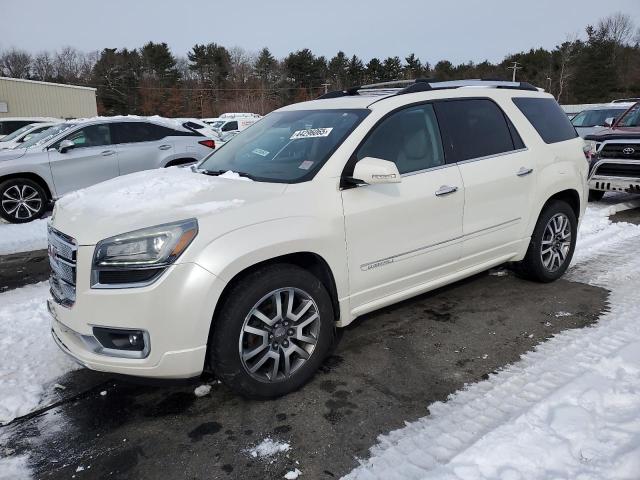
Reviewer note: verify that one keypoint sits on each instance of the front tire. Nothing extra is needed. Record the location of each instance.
(21, 200)
(272, 332)
(552, 244)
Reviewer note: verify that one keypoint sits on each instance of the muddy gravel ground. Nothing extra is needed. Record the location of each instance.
(389, 366)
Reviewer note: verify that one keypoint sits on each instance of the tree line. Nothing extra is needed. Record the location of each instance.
(212, 79)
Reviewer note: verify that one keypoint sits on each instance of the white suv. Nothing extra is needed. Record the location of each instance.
(321, 212)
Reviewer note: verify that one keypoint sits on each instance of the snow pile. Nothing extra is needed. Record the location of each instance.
(14, 468)
(293, 474)
(268, 448)
(570, 409)
(231, 175)
(23, 237)
(153, 190)
(29, 359)
(202, 390)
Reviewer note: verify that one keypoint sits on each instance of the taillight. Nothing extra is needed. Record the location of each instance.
(208, 143)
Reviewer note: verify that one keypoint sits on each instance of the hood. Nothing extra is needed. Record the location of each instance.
(621, 133)
(154, 197)
(12, 154)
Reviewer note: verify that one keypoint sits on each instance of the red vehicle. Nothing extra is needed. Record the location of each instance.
(615, 162)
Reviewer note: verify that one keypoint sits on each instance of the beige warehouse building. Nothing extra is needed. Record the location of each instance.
(28, 98)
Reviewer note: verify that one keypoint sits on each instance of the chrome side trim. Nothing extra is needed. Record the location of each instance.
(495, 155)
(420, 250)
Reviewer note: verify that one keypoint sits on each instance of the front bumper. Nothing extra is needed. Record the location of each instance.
(175, 312)
(611, 174)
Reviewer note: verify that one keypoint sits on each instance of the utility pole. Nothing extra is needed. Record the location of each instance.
(326, 87)
(516, 66)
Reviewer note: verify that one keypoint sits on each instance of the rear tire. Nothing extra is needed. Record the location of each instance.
(596, 195)
(258, 347)
(22, 200)
(552, 244)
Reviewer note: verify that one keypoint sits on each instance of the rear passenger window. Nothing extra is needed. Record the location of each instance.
(134, 132)
(546, 116)
(410, 138)
(474, 128)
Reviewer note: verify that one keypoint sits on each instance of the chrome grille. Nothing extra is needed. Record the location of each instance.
(62, 258)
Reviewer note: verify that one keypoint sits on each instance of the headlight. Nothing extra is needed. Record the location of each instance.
(591, 149)
(140, 256)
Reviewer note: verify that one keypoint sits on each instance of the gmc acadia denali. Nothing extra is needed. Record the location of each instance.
(323, 211)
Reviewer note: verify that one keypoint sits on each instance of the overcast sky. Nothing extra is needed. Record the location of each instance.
(457, 30)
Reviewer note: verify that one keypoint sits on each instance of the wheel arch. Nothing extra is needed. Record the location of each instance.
(570, 196)
(309, 261)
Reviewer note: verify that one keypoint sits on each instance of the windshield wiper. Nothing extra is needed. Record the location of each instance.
(216, 173)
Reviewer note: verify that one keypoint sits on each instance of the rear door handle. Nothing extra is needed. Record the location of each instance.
(524, 171)
(164, 147)
(107, 153)
(446, 190)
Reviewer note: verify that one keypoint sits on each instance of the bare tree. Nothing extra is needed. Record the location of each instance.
(567, 53)
(43, 68)
(242, 63)
(67, 63)
(15, 63)
(618, 28)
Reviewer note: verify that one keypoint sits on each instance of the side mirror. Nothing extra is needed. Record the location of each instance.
(374, 171)
(609, 121)
(65, 146)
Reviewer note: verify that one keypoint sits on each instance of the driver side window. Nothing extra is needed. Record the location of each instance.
(91, 136)
(410, 138)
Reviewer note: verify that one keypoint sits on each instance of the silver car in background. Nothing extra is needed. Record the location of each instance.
(595, 118)
(77, 154)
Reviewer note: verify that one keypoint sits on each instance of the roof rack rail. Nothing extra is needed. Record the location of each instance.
(426, 84)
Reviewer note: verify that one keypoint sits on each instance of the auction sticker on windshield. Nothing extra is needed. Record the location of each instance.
(259, 151)
(311, 133)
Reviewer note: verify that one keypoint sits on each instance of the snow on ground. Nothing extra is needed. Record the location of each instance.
(30, 361)
(14, 468)
(23, 237)
(568, 410)
(268, 448)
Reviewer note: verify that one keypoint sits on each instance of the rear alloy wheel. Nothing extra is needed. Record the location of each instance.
(273, 330)
(21, 200)
(552, 244)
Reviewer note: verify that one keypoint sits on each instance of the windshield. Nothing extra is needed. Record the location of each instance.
(594, 118)
(285, 147)
(217, 124)
(17, 133)
(46, 135)
(631, 118)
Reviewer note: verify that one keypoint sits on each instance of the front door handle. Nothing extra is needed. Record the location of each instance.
(164, 147)
(107, 153)
(524, 171)
(446, 190)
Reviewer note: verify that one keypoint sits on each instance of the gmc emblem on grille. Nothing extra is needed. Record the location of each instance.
(628, 151)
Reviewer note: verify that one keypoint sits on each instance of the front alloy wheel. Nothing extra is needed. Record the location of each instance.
(21, 201)
(271, 332)
(279, 334)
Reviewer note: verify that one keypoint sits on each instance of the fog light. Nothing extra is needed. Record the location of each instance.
(120, 339)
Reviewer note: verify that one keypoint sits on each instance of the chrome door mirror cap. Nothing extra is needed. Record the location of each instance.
(374, 171)
(608, 122)
(65, 146)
